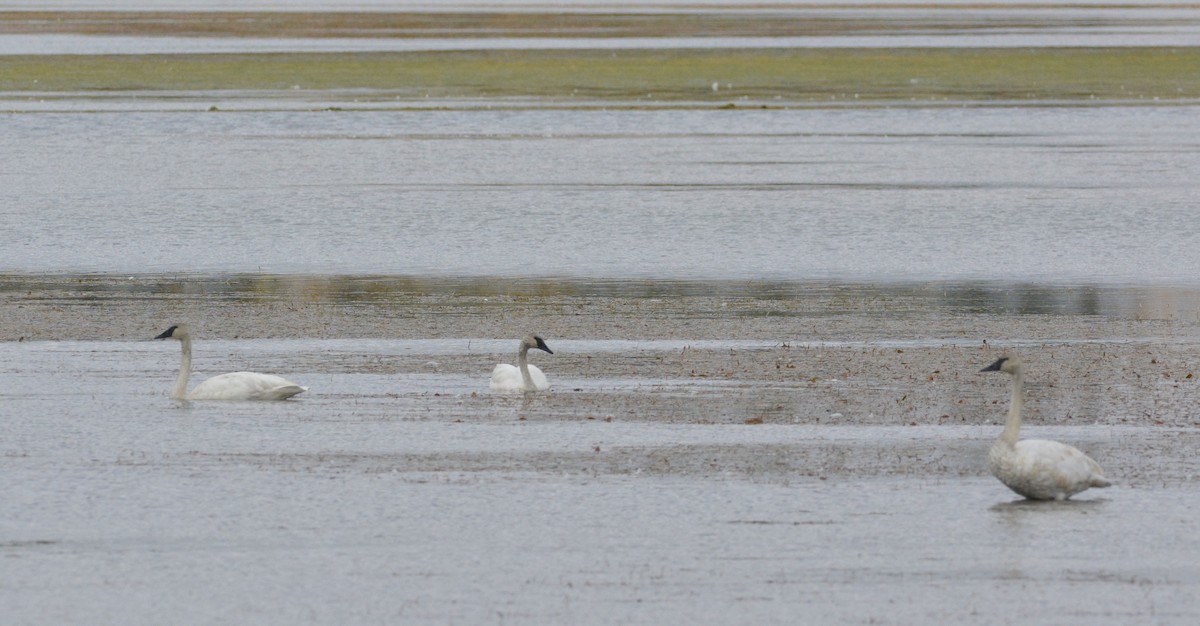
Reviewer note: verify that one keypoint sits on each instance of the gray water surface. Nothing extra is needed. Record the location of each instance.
(1068, 36)
(854, 23)
(817, 469)
(1075, 194)
(368, 499)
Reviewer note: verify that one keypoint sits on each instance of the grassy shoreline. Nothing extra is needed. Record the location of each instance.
(669, 75)
(718, 20)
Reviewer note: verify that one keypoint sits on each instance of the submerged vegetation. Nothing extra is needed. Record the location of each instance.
(666, 75)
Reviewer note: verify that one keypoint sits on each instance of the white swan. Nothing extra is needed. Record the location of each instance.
(232, 386)
(525, 377)
(1036, 468)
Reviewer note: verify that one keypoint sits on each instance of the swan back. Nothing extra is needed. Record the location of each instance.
(245, 386)
(507, 378)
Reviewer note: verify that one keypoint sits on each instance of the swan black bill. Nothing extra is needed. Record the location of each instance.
(541, 345)
(995, 367)
(168, 333)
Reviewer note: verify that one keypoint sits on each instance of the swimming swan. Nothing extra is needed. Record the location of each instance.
(526, 377)
(1036, 468)
(232, 386)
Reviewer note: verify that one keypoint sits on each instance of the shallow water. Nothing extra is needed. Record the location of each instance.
(1126, 36)
(849, 24)
(394, 491)
(776, 446)
(1047, 194)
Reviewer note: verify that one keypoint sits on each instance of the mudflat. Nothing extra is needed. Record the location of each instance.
(865, 354)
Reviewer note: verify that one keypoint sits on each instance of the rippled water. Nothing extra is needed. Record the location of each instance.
(879, 24)
(399, 490)
(1126, 36)
(1045, 193)
(372, 499)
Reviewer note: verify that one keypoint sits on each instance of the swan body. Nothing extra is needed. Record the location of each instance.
(1038, 469)
(231, 386)
(523, 377)
(245, 386)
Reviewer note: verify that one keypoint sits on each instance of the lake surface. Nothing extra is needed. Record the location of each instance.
(1170, 34)
(393, 492)
(1043, 193)
(855, 24)
(767, 326)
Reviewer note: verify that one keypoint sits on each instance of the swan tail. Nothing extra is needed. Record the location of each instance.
(283, 393)
(1097, 479)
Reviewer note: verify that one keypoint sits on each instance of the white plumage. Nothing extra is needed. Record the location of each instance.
(1037, 468)
(524, 377)
(231, 386)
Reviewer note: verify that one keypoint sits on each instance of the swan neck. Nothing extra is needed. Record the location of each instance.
(185, 369)
(523, 365)
(1012, 428)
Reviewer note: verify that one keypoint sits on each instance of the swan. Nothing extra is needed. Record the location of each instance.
(525, 377)
(232, 386)
(1037, 468)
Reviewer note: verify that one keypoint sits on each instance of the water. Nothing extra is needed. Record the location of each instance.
(767, 326)
(848, 24)
(417, 496)
(1070, 194)
(1124, 36)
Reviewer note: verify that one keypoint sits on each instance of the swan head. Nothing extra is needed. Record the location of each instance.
(1008, 364)
(178, 331)
(533, 341)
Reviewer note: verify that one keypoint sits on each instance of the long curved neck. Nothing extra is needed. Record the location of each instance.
(185, 368)
(1012, 428)
(523, 365)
